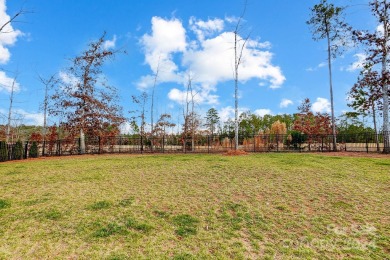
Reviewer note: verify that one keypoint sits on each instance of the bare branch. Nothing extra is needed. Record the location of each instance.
(13, 19)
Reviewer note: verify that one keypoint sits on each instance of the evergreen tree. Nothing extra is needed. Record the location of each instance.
(212, 120)
(33, 153)
(3, 151)
(18, 151)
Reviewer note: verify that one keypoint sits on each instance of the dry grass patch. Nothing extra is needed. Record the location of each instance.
(196, 206)
(235, 153)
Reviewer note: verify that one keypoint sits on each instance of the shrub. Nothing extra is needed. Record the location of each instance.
(18, 150)
(33, 153)
(3, 151)
(297, 138)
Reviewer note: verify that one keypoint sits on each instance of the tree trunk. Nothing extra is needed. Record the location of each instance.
(331, 90)
(236, 64)
(82, 142)
(375, 128)
(152, 104)
(11, 101)
(386, 130)
(45, 104)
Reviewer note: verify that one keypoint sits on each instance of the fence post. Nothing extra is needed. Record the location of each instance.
(43, 148)
(344, 142)
(377, 142)
(322, 144)
(208, 144)
(9, 149)
(366, 134)
(163, 144)
(99, 140)
(25, 150)
(142, 145)
(151, 143)
(58, 143)
(254, 142)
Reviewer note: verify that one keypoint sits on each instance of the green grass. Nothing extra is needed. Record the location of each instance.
(261, 206)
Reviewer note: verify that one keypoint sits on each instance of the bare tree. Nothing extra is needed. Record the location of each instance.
(239, 45)
(12, 19)
(191, 120)
(140, 101)
(3, 28)
(152, 101)
(11, 101)
(186, 112)
(49, 83)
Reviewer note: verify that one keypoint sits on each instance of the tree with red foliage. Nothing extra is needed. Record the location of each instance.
(88, 103)
(36, 137)
(313, 125)
(52, 137)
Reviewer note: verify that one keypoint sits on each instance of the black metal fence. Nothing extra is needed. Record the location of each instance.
(363, 142)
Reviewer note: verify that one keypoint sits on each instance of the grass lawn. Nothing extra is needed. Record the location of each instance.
(260, 206)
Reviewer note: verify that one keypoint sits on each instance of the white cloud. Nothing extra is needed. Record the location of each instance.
(167, 37)
(380, 29)
(227, 113)
(210, 57)
(125, 128)
(322, 64)
(262, 112)
(285, 103)
(357, 65)
(67, 78)
(20, 116)
(201, 96)
(110, 44)
(30, 118)
(213, 62)
(322, 105)
(6, 83)
(177, 96)
(206, 28)
(5, 55)
(8, 36)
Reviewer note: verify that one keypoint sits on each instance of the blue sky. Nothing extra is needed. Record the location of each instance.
(281, 66)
